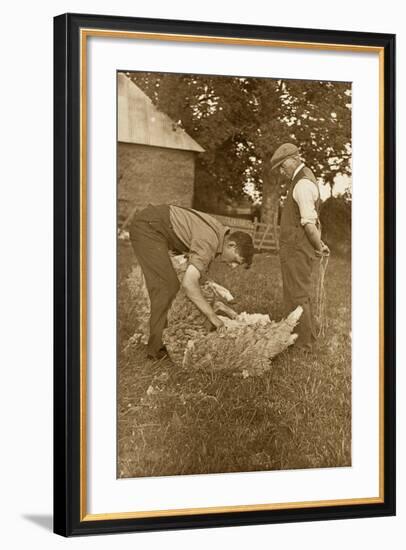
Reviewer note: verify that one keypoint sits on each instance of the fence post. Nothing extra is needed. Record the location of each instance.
(254, 230)
(264, 235)
(275, 229)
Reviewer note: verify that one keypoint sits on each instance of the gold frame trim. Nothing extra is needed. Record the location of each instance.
(84, 34)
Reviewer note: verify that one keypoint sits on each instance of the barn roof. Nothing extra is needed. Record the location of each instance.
(139, 121)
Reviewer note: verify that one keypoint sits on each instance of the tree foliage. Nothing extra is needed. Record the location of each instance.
(241, 121)
(335, 217)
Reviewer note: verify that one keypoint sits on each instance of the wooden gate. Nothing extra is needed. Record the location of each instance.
(265, 236)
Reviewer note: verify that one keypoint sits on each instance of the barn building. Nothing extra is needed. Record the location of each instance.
(156, 159)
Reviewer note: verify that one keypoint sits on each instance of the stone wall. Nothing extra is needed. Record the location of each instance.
(156, 175)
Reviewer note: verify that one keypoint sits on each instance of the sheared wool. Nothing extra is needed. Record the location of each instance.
(247, 342)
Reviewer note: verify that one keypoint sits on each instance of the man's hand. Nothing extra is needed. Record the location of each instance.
(191, 287)
(216, 321)
(213, 323)
(323, 251)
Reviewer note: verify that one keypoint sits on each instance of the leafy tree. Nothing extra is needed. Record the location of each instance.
(335, 217)
(241, 121)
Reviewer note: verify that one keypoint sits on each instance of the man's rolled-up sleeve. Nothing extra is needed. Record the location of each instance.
(305, 194)
(202, 253)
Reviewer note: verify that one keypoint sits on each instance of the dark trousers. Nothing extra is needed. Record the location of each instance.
(297, 267)
(152, 237)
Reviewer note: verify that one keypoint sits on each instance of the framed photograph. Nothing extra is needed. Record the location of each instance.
(224, 285)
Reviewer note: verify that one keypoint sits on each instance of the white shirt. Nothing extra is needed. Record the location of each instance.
(305, 193)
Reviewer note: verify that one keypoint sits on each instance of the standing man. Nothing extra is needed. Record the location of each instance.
(300, 237)
(156, 230)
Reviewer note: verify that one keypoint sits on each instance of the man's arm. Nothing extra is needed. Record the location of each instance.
(306, 194)
(313, 234)
(191, 286)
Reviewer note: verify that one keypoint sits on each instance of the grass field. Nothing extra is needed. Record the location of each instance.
(298, 415)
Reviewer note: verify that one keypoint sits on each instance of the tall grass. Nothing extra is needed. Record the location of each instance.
(298, 415)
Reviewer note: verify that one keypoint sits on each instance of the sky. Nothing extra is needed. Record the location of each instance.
(341, 184)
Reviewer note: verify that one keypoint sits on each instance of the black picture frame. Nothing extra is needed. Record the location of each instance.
(69, 519)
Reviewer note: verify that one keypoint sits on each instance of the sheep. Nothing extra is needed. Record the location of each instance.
(246, 342)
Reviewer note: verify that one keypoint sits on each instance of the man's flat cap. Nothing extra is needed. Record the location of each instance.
(282, 153)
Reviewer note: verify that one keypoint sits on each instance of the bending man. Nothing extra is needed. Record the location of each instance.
(156, 230)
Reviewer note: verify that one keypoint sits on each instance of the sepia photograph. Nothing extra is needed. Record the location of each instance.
(233, 274)
(224, 259)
